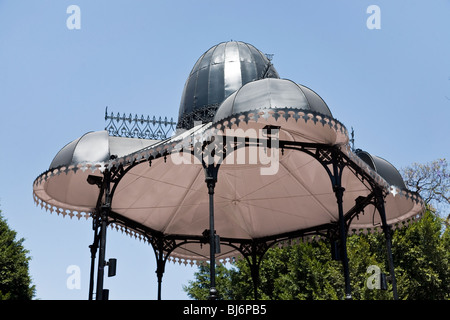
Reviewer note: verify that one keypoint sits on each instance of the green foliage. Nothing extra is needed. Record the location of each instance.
(199, 289)
(305, 271)
(15, 282)
(301, 271)
(421, 254)
(364, 251)
(421, 257)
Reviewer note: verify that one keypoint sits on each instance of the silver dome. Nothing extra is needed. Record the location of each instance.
(218, 73)
(383, 167)
(272, 93)
(97, 147)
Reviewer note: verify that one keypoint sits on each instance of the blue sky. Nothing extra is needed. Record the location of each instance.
(392, 85)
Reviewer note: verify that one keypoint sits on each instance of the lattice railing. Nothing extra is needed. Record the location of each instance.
(139, 127)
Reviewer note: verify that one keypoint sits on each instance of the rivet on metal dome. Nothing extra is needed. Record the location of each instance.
(218, 73)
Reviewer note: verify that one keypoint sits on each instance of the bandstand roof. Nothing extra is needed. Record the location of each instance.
(261, 195)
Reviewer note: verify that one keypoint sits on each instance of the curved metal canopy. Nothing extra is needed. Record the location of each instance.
(219, 72)
(383, 168)
(272, 93)
(64, 187)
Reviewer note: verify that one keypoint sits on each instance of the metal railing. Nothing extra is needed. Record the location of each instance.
(139, 127)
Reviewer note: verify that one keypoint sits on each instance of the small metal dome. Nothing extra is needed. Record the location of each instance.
(97, 147)
(218, 73)
(383, 168)
(272, 93)
(91, 147)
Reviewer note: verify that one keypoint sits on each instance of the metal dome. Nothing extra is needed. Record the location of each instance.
(65, 184)
(272, 94)
(96, 147)
(383, 168)
(218, 73)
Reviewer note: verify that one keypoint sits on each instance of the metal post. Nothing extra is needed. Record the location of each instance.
(210, 179)
(253, 253)
(160, 266)
(103, 225)
(339, 192)
(159, 275)
(93, 248)
(101, 256)
(94, 180)
(212, 240)
(387, 234)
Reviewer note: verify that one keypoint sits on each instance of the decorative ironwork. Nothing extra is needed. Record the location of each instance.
(203, 115)
(254, 248)
(139, 127)
(268, 70)
(324, 155)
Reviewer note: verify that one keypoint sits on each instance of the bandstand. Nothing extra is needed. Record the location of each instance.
(254, 161)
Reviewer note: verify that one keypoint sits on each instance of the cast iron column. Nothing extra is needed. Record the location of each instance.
(387, 234)
(104, 213)
(339, 192)
(93, 248)
(211, 179)
(160, 267)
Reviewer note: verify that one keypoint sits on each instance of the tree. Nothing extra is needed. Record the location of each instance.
(421, 255)
(432, 181)
(364, 251)
(305, 271)
(15, 281)
(199, 289)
